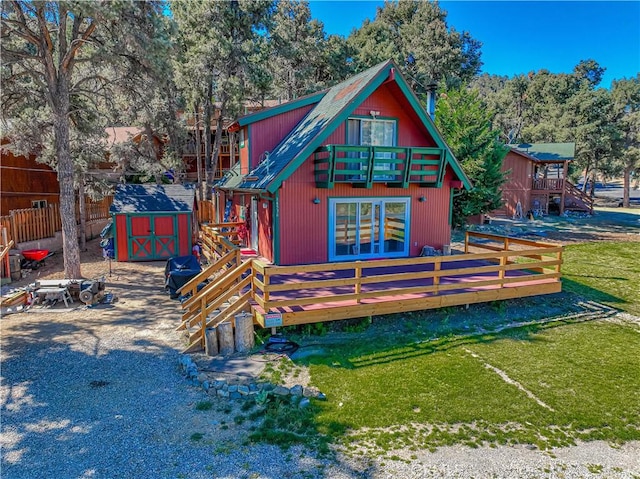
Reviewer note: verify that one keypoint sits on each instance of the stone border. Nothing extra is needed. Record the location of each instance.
(222, 388)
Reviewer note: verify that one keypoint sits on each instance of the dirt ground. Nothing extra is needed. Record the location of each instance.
(606, 224)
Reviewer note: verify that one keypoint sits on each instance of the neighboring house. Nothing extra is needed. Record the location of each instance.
(537, 181)
(25, 182)
(153, 222)
(228, 154)
(358, 171)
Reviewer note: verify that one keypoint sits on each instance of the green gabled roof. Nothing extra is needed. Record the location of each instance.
(285, 107)
(334, 108)
(547, 151)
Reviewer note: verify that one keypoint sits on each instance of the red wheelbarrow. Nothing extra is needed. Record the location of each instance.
(34, 258)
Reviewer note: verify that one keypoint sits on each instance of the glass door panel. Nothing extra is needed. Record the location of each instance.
(368, 228)
(365, 229)
(395, 227)
(345, 228)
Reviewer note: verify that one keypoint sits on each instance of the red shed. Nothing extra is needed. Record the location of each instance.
(153, 222)
(356, 172)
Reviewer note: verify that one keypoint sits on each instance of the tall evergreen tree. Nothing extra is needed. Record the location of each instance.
(223, 43)
(626, 103)
(465, 123)
(417, 36)
(62, 61)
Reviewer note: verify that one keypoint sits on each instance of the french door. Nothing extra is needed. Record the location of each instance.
(368, 228)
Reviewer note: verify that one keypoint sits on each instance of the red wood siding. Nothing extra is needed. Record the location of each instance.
(267, 134)
(390, 102)
(265, 229)
(24, 180)
(304, 225)
(122, 238)
(244, 152)
(184, 235)
(517, 186)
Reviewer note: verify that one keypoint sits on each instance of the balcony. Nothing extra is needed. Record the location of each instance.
(362, 166)
(548, 184)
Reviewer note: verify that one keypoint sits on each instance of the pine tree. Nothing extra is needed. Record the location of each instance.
(466, 126)
(62, 62)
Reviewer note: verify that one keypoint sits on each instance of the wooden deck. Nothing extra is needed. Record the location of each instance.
(512, 268)
(491, 268)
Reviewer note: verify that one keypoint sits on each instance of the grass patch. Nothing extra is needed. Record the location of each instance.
(281, 422)
(420, 379)
(605, 272)
(204, 405)
(437, 393)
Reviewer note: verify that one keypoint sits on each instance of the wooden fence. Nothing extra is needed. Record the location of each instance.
(32, 224)
(206, 211)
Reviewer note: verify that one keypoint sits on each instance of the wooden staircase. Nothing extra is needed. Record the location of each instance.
(217, 302)
(226, 291)
(575, 199)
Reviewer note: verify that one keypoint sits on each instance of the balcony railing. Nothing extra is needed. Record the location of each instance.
(548, 184)
(362, 166)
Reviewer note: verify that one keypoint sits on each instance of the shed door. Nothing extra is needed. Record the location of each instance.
(140, 234)
(152, 237)
(165, 237)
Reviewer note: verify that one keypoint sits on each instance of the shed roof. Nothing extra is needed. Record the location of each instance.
(549, 152)
(149, 198)
(334, 107)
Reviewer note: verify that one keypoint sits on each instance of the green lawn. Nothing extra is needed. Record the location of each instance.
(462, 376)
(605, 272)
(587, 373)
(437, 378)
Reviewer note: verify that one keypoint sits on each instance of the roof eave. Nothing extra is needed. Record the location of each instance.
(277, 110)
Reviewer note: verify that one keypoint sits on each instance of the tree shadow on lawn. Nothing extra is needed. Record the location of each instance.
(408, 335)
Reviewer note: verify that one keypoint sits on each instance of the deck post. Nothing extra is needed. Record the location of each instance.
(436, 277)
(466, 242)
(357, 278)
(203, 320)
(503, 263)
(265, 292)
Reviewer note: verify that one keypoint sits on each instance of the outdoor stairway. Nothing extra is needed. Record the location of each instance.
(225, 296)
(576, 200)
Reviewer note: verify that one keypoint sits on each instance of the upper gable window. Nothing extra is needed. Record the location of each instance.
(373, 132)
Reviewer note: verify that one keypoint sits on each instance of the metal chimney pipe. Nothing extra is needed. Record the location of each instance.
(431, 100)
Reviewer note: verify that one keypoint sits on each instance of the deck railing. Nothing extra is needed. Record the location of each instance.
(548, 184)
(512, 268)
(492, 268)
(365, 165)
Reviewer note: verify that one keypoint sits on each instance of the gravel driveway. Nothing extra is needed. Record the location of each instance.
(97, 393)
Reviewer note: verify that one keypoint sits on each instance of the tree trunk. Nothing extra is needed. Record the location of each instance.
(216, 147)
(83, 215)
(71, 251)
(196, 126)
(626, 177)
(585, 183)
(208, 111)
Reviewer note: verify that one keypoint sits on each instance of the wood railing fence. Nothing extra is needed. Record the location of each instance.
(32, 224)
(492, 268)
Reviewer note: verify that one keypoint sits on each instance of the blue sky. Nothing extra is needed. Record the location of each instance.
(522, 36)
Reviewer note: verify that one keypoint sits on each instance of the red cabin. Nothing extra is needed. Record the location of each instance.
(356, 172)
(536, 181)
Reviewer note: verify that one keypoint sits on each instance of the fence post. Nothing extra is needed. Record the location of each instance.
(357, 278)
(436, 276)
(14, 228)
